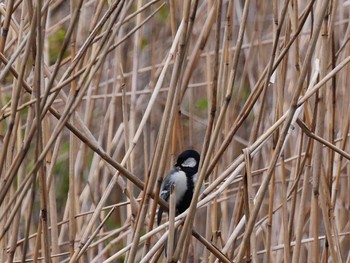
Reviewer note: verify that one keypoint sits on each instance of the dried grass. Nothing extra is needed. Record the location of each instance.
(97, 98)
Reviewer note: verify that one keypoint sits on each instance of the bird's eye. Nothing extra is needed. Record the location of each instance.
(190, 162)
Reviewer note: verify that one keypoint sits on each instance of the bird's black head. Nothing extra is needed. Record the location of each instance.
(188, 161)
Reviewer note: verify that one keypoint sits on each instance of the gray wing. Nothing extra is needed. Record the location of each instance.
(165, 188)
(164, 194)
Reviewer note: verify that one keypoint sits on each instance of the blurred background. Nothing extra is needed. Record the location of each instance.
(98, 98)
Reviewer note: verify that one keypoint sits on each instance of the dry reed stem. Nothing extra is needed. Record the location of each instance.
(285, 128)
(171, 236)
(202, 172)
(160, 151)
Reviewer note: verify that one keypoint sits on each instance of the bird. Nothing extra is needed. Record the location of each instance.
(184, 176)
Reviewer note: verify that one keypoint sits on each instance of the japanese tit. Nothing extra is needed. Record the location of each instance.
(184, 176)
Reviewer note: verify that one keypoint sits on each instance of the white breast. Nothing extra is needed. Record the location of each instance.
(180, 180)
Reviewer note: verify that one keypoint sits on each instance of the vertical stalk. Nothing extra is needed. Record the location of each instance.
(286, 127)
(72, 152)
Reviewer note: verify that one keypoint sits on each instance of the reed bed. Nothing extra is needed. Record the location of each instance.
(97, 99)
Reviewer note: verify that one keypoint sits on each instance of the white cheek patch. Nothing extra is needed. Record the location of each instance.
(190, 162)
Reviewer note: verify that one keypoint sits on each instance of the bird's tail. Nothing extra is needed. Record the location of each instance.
(175, 243)
(159, 219)
(159, 215)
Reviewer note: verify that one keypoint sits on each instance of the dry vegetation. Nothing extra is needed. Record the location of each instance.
(97, 98)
